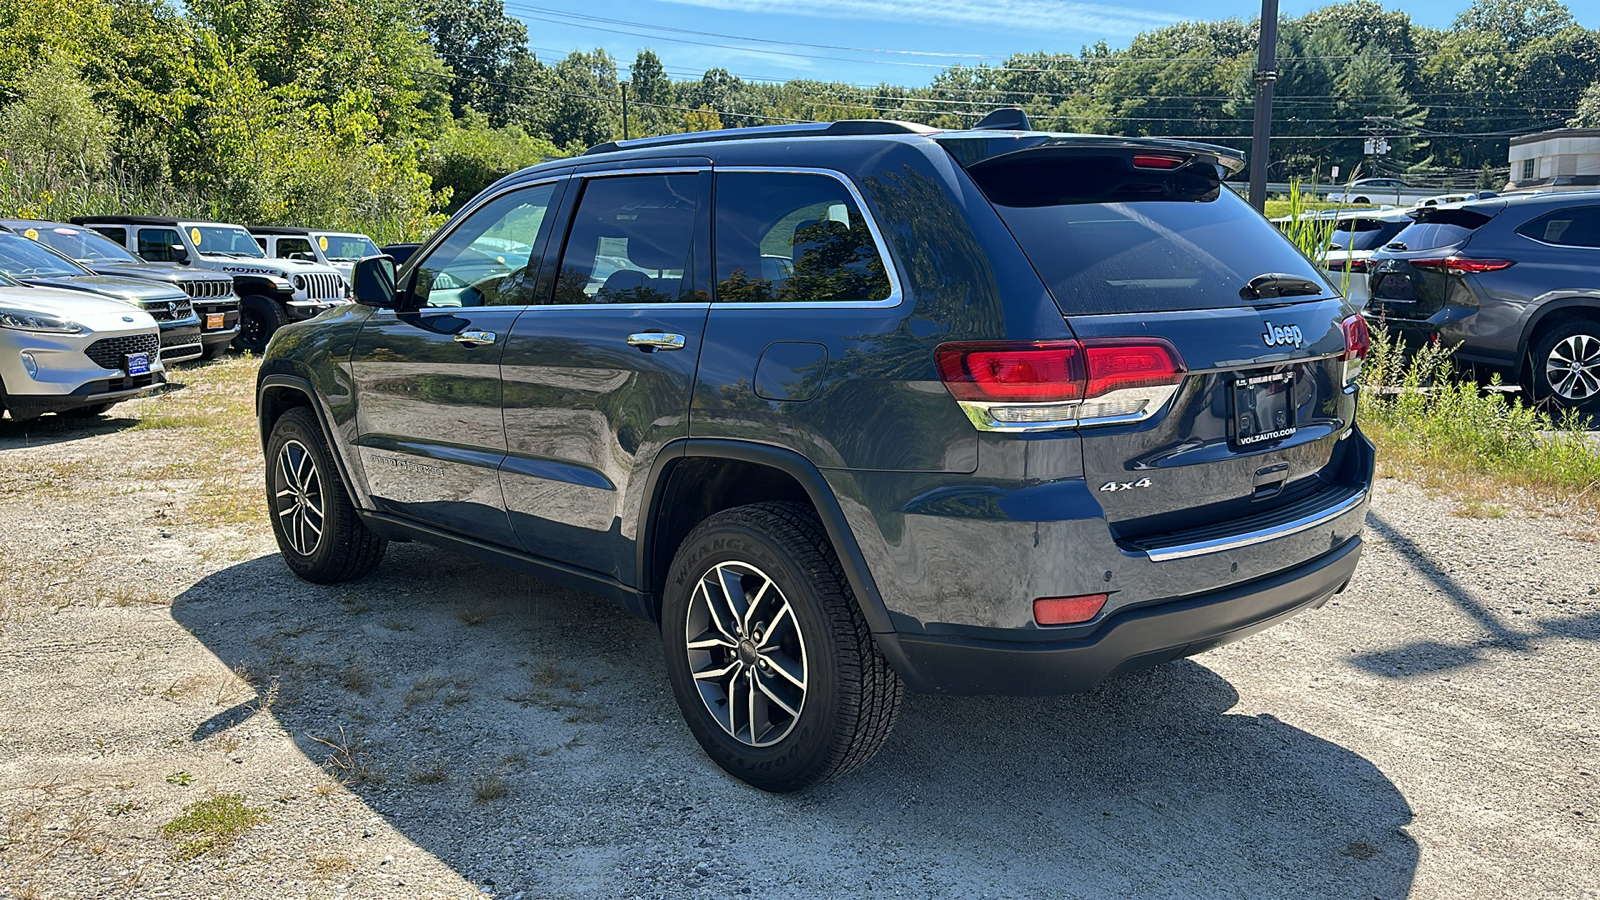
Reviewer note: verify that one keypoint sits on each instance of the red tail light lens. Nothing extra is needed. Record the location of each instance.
(1003, 371)
(1356, 265)
(1357, 339)
(1157, 161)
(1115, 365)
(1460, 265)
(1067, 610)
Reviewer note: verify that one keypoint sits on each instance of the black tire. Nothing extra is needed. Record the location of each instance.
(214, 351)
(88, 412)
(259, 318)
(319, 534)
(1551, 359)
(1362, 200)
(849, 697)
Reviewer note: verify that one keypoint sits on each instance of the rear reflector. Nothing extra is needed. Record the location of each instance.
(1460, 265)
(1067, 610)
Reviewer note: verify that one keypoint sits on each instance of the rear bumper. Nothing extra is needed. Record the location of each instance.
(1133, 639)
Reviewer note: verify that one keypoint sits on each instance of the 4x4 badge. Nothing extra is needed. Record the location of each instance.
(1125, 485)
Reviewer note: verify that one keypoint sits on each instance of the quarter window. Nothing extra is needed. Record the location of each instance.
(155, 244)
(486, 260)
(288, 247)
(630, 241)
(1576, 227)
(789, 237)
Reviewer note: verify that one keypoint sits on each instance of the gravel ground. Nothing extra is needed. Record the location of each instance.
(446, 730)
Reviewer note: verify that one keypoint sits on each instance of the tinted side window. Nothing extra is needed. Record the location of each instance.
(289, 246)
(1576, 227)
(120, 235)
(630, 240)
(155, 244)
(484, 261)
(787, 237)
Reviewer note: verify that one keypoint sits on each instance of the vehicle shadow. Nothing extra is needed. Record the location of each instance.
(524, 734)
(49, 430)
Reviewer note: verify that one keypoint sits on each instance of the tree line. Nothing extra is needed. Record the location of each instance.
(384, 115)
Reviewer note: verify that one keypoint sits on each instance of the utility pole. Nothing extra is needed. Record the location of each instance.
(624, 86)
(1266, 74)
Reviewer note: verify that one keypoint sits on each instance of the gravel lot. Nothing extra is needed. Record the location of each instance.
(445, 730)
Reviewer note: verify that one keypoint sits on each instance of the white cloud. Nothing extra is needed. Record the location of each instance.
(1033, 15)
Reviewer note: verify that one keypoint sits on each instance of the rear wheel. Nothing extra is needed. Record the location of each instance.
(769, 658)
(259, 318)
(319, 534)
(1564, 366)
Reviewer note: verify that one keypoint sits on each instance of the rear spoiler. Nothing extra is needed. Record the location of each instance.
(974, 149)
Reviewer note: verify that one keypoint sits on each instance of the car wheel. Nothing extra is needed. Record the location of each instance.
(88, 412)
(259, 319)
(319, 534)
(769, 657)
(1362, 200)
(1564, 367)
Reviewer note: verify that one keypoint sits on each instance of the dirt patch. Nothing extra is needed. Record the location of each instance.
(186, 719)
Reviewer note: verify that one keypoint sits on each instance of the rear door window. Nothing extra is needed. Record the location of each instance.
(630, 240)
(155, 244)
(1576, 227)
(792, 237)
(1192, 245)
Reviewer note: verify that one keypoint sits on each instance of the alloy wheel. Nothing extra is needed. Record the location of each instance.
(298, 501)
(746, 653)
(1573, 367)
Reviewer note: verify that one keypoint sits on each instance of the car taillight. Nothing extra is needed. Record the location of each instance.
(1356, 265)
(1157, 161)
(1460, 265)
(1039, 385)
(1357, 344)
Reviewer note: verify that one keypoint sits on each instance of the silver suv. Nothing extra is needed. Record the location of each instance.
(272, 292)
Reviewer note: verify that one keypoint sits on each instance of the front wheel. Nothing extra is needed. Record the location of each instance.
(1564, 366)
(319, 534)
(769, 657)
(259, 319)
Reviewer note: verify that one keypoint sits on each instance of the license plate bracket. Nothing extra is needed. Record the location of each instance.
(137, 363)
(1263, 408)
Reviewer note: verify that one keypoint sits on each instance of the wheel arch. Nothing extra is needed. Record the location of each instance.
(1548, 315)
(278, 393)
(697, 478)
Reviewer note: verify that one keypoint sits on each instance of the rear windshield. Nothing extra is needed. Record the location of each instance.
(1364, 234)
(1438, 228)
(1189, 249)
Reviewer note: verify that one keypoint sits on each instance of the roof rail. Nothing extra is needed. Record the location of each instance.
(841, 128)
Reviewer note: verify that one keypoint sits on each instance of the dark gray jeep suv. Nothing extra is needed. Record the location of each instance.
(846, 409)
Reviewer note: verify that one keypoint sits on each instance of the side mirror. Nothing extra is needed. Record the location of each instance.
(374, 279)
(180, 255)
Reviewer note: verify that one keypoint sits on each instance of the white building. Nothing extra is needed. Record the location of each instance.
(1566, 159)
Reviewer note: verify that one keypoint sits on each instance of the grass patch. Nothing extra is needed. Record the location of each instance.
(212, 824)
(1426, 419)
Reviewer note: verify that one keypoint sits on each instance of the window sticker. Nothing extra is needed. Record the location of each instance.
(194, 235)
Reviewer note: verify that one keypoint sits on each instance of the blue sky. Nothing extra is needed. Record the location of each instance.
(925, 35)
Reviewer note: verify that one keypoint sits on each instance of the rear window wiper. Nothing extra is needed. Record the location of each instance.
(1274, 284)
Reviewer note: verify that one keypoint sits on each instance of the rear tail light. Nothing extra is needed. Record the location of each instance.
(1357, 344)
(1067, 610)
(1357, 265)
(1460, 265)
(1040, 385)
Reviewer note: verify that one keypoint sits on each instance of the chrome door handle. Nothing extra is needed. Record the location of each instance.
(474, 338)
(656, 340)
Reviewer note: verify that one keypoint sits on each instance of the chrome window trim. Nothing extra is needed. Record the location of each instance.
(896, 295)
(1259, 536)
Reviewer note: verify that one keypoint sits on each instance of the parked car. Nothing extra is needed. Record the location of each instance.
(1356, 236)
(1379, 190)
(1513, 280)
(32, 263)
(211, 294)
(870, 406)
(72, 353)
(336, 249)
(400, 253)
(271, 293)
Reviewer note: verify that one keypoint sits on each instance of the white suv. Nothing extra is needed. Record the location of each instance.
(339, 249)
(73, 353)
